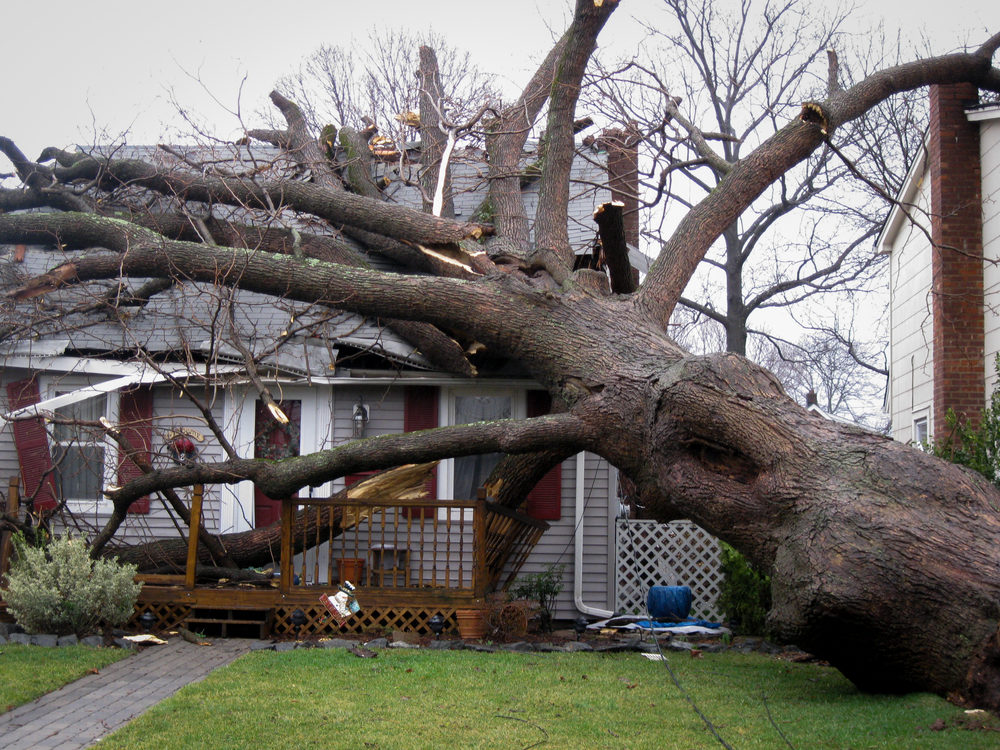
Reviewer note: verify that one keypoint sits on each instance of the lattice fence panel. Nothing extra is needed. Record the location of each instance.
(375, 620)
(168, 615)
(678, 553)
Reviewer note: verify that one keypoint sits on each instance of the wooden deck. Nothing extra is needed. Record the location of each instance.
(408, 559)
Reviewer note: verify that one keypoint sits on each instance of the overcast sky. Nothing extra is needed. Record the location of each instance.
(74, 69)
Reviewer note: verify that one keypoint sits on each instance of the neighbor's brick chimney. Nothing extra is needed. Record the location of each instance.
(957, 265)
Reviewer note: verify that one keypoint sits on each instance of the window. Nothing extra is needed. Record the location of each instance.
(79, 453)
(471, 472)
(921, 432)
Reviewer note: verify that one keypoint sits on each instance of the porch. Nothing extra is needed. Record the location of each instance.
(408, 559)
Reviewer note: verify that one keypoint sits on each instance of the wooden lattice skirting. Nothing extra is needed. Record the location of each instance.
(374, 620)
(318, 621)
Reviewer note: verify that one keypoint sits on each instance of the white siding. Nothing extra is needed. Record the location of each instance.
(911, 349)
(989, 145)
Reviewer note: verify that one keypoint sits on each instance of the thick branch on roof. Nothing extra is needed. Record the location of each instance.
(505, 141)
(336, 206)
(610, 220)
(303, 147)
(552, 218)
(359, 162)
(432, 135)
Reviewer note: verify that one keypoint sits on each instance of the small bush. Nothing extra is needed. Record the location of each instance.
(59, 589)
(745, 595)
(543, 588)
(974, 445)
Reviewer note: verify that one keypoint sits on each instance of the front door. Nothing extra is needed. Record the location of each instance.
(274, 440)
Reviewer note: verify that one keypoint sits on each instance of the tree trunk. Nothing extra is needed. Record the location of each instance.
(883, 558)
(247, 549)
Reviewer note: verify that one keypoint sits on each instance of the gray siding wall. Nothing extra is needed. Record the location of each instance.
(557, 545)
(171, 411)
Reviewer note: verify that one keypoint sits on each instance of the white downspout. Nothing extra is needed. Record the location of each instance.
(578, 541)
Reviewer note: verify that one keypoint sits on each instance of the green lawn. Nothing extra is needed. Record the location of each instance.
(460, 699)
(27, 672)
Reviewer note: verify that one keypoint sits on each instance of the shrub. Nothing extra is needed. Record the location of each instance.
(543, 588)
(58, 589)
(745, 595)
(974, 445)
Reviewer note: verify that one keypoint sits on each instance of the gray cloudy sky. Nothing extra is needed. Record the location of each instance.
(79, 72)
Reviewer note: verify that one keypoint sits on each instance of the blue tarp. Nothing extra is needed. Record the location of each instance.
(651, 624)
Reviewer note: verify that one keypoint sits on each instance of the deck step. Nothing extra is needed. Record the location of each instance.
(231, 621)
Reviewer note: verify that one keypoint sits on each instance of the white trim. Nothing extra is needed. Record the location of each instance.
(71, 365)
(236, 510)
(143, 377)
(983, 113)
(82, 506)
(906, 195)
(581, 479)
(39, 348)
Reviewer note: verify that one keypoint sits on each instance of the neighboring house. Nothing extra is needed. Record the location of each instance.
(337, 375)
(943, 241)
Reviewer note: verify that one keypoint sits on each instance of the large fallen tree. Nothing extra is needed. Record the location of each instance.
(884, 559)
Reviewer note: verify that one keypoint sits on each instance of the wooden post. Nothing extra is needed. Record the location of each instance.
(13, 501)
(286, 546)
(479, 546)
(193, 527)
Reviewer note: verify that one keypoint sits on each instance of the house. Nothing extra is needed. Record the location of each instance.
(943, 242)
(336, 376)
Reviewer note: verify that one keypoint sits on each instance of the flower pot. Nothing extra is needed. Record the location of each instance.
(351, 569)
(471, 625)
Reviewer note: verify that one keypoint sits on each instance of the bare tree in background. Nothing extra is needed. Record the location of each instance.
(883, 558)
(712, 81)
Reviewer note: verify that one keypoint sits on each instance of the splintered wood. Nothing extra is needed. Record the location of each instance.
(407, 482)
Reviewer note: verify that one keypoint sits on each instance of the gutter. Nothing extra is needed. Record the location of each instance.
(578, 544)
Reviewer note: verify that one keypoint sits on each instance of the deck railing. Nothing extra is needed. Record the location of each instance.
(385, 545)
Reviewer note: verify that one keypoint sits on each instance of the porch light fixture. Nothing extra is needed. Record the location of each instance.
(436, 624)
(298, 620)
(360, 418)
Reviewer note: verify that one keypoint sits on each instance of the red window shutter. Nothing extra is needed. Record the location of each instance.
(352, 479)
(32, 444)
(135, 415)
(420, 412)
(545, 500)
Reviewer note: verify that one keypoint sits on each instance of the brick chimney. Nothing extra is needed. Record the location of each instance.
(623, 174)
(957, 264)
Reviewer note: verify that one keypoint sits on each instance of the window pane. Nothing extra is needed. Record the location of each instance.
(481, 408)
(90, 410)
(79, 452)
(79, 471)
(472, 471)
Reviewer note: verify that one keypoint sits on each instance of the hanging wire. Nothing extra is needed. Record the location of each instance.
(586, 500)
(663, 659)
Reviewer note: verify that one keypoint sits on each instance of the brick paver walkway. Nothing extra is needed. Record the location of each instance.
(79, 714)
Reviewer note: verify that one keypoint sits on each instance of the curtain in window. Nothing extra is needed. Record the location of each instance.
(471, 472)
